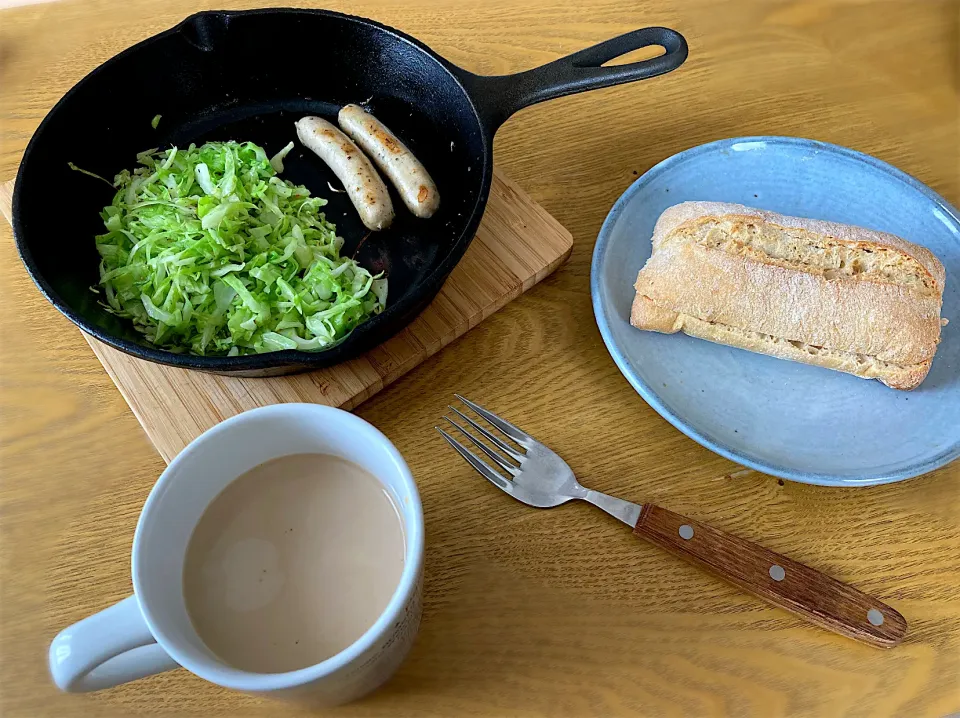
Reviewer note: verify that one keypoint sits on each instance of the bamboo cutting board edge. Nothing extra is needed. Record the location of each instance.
(517, 245)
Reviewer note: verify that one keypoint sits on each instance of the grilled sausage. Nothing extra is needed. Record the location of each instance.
(414, 184)
(363, 185)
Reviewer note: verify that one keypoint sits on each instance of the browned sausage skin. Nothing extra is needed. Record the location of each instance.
(363, 185)
(411, 179)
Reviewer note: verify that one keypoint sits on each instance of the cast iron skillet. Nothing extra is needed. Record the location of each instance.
(249, 76)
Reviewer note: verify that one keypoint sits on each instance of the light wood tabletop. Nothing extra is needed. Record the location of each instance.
(559, 613)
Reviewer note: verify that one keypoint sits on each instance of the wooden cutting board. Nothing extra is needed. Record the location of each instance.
(517, 245)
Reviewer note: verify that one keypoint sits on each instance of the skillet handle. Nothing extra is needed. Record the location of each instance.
(500, 96)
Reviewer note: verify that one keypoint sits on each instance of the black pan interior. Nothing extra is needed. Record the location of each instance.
(250, 76)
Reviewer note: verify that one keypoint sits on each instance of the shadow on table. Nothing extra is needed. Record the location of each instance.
(502, 644)
(497, 641)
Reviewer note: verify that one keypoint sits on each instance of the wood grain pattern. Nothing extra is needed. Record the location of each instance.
(799, 589)
(6, 200)
(517, 245)
(529, 613)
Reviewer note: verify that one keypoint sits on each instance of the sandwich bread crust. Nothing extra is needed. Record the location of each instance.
(847, 298)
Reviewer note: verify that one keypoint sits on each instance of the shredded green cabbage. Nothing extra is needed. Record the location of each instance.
(207, 251)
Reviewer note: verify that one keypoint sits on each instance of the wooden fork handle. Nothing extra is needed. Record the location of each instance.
(776, 579)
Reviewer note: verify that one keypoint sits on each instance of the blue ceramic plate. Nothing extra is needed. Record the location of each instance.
(800, 422)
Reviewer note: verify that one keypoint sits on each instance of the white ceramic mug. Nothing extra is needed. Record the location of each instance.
(150, 631)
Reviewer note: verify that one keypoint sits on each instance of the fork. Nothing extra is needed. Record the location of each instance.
(534, 474)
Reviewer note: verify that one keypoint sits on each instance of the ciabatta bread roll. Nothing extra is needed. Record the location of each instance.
(846, 298)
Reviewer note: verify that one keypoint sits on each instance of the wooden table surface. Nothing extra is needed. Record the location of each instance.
(558, 613)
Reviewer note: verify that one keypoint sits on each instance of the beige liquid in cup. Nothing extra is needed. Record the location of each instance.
(292, 562)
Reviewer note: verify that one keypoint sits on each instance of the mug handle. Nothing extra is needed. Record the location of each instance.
(106, 649)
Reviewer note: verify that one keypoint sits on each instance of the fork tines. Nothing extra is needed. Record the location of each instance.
(512, 446)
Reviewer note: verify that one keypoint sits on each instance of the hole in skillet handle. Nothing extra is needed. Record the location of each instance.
(641, 54)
